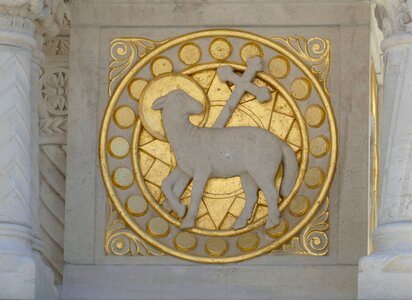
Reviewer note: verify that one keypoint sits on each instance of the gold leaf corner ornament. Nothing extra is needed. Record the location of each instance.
(125, 52)
(135, 156)
(121, 241)
(313, 240)
(315, 51)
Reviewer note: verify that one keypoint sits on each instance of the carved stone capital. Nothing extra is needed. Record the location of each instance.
(394, 16)
(24, 23)
(54, 17)
(30, 9)
(17, 31)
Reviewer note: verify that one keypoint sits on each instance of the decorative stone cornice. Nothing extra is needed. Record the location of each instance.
(394, 16)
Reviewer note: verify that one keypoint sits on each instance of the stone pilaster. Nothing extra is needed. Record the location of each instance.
(387, 272)
(23, 275)
(17, 266)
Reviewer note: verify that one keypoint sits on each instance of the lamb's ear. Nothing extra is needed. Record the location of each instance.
(159, 103)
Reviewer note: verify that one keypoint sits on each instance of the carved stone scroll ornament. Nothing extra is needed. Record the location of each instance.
(243, 115)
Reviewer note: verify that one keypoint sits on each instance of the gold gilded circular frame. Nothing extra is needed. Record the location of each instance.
(177, 41)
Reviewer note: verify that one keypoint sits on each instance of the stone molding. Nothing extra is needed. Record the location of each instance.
(203, 13)
(52, 113)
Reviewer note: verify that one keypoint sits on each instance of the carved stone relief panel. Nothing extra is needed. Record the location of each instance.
(138, 154)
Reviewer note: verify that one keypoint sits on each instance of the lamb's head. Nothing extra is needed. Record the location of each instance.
(178, 102)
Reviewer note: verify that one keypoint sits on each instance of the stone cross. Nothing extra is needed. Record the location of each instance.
(174, 185)
(243, 84)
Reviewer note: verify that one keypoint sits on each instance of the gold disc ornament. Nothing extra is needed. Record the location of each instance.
(136, 156)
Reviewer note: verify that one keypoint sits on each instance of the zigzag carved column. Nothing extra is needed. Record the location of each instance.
(15, 164)
(387, 272)
(23, 274)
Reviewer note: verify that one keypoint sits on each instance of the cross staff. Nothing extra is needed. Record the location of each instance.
(174, 185)
(243, 84)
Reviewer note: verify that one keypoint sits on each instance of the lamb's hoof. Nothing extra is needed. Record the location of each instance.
(187, 223)
(180, 210)
(239, 224)
(272, 222)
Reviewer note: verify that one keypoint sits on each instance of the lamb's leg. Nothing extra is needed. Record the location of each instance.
(180, 184)
(171, 199)
(251, 191)
(267, 185)
(199, 181)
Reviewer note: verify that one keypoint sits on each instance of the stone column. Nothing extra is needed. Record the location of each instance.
(387, 272)
(23, 275)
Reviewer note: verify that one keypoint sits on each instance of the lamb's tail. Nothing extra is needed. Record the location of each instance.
(290, 170)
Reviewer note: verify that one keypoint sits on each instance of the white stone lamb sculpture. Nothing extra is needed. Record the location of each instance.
(252, 153)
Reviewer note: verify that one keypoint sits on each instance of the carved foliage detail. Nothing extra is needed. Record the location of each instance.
(53, 108)
(57, 46)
